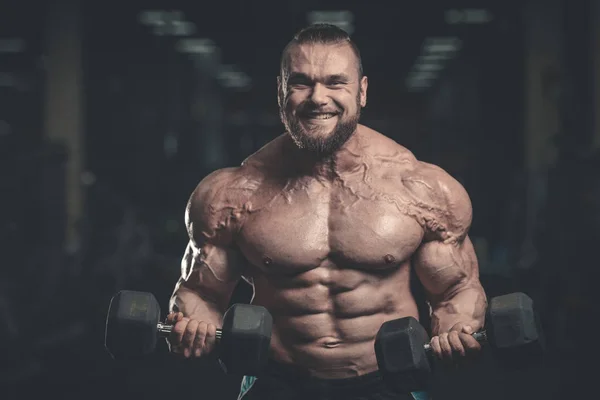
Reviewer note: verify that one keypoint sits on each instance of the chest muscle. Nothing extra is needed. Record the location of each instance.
(300, 230)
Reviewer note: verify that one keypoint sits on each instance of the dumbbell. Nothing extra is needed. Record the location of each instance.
(404, 354)
(133, 327)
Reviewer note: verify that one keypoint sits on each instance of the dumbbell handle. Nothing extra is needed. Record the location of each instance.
(166, 329)
(480, 336)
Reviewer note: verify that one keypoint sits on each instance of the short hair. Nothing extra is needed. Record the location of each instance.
(321, 34)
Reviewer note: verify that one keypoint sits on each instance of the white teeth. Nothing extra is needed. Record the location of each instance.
(321, 116)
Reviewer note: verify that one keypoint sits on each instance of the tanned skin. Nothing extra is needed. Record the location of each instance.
(328, 226)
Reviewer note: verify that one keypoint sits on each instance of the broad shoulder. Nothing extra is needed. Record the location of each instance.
(429, 186)
(216, 208)
(216, 205)
(433, 185)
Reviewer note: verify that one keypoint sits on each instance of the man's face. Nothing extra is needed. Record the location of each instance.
(321, 95)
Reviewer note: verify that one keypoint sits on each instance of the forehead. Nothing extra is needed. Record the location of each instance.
(322, 59)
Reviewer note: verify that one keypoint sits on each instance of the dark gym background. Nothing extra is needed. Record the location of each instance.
(112, 111)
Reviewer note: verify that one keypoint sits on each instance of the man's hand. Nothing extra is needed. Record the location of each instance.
(191, 338)
(456, 344)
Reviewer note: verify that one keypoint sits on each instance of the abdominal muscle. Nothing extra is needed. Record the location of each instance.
(328, 327)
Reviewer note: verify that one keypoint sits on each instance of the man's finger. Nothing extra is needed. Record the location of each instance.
(178, 332)
(211, 337)
(456, 344)
(469, 343)
(468, 329)
(199, 340)
(174, 317)
(435, 347)
(445, 345)
(188, 337)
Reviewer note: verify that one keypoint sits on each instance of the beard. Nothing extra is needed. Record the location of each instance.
(322, 145)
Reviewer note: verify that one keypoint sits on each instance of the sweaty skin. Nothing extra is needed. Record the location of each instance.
(329, 248)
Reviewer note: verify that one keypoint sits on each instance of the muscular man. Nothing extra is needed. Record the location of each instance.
(328, 222)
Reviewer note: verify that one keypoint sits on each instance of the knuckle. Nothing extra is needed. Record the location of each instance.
(188, 338)
(179, 327)
(202, 328)
(211, 330)
(198, 342)
(191, 327)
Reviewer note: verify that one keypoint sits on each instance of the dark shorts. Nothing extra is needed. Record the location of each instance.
(286, 382)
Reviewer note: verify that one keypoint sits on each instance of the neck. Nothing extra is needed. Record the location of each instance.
(329, 166)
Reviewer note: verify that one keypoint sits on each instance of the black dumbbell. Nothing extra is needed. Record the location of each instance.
(133, 327)
(404, 354)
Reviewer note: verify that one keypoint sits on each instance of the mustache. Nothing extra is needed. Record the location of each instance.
(314, 109)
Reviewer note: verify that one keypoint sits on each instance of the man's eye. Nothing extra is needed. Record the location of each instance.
(299, 86)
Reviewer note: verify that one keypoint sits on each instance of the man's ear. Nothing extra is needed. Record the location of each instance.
(364, 84)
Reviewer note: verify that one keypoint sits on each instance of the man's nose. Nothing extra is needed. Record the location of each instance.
(319, 94)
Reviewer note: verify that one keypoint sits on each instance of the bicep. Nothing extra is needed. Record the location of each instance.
(212, 265)
(446, 267)
(212, 271)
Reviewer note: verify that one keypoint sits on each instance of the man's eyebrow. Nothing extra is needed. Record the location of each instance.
(337, 77)
(299, 76)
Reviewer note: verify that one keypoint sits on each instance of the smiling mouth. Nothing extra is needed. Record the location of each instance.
(322, 116)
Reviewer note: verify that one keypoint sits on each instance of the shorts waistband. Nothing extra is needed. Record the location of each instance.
(294, 373)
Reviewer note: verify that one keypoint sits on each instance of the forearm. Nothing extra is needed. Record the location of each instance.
(467, 305)
(195, 306)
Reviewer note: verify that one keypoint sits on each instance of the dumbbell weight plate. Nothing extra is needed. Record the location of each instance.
(131, 325)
